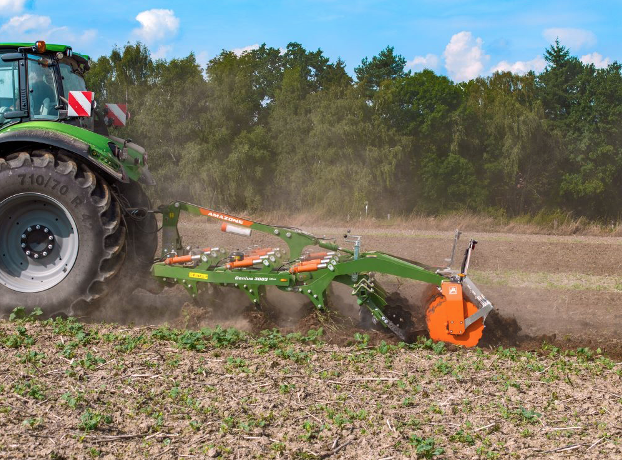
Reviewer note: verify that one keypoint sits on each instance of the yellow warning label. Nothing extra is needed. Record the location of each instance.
(200, 276)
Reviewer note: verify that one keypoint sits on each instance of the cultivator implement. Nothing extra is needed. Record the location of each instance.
(309, 264)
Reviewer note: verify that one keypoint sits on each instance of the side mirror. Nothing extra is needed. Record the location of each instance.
(8, 57)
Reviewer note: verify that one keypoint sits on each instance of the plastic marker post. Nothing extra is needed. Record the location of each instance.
(228, 228)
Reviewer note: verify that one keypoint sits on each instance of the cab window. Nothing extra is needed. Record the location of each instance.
(42, 89)
(9, 88)
(72, 81)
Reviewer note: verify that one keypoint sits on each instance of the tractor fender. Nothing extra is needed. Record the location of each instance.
(61, 140)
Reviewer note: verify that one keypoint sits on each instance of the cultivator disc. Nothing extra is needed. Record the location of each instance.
(437, 313)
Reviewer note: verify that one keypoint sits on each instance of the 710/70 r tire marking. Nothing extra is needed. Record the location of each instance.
(39, 179)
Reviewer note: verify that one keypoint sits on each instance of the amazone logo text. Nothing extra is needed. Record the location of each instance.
(217, 215)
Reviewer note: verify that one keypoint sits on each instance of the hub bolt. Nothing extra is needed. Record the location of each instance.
(37, 241)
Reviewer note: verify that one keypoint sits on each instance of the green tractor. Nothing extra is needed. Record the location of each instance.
(73, 225)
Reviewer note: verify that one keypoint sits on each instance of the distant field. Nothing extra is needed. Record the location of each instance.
(69, 390)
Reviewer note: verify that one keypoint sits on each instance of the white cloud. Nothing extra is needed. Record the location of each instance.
(202, 57)
(162, 51)
(8, 7)
(156, 24)
(429, 61)
(521, 67)
(246, 49)
(31, 27)
(571, 38)
(596, 59)
(464, 56)
(20, 26)
(88, 36)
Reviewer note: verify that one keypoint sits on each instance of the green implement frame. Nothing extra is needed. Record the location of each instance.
(285, 269)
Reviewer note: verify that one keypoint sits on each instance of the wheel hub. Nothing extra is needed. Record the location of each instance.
(37, 241)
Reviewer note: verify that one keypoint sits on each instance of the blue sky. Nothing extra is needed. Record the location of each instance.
(461, 39)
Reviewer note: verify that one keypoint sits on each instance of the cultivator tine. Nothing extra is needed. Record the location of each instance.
(396, 330)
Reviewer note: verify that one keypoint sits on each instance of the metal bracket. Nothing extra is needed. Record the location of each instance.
(362, 288)
(467, 257)
(356, 239)
(475, 295)
(481, 313)
(450, 261)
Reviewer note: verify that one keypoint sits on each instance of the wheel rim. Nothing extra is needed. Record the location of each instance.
(38, 242)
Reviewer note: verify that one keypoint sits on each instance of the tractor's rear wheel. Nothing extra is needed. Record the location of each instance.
(62, 235)
(142, 241)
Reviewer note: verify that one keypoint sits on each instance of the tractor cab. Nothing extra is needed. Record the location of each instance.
(35, 80)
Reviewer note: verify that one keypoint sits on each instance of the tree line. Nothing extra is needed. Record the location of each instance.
(275, 129)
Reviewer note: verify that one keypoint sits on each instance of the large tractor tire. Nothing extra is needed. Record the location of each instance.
(120, 305)
(63, 237)
(141, 241)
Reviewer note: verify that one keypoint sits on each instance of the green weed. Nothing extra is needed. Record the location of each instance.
(90, 421)
(90, 361)
(19, 315)
(425, 447)
(32, 357)
(29, 388)
(72, 400)
(21, 339)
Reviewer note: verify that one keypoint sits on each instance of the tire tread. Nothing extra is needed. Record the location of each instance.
(114, 241)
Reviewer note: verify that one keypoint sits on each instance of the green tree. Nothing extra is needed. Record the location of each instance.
(274, 129)
(420, 106)
(502, 131)
(559, 83)
(124, 76)
(592, 169)
(385, 66)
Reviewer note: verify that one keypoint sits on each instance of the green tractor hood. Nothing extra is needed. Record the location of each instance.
(121, 159)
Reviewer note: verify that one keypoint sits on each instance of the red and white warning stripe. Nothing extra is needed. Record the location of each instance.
(117, 113)
(80, 103)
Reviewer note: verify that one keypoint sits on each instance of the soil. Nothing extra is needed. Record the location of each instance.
(537, 387)
(69, 391)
